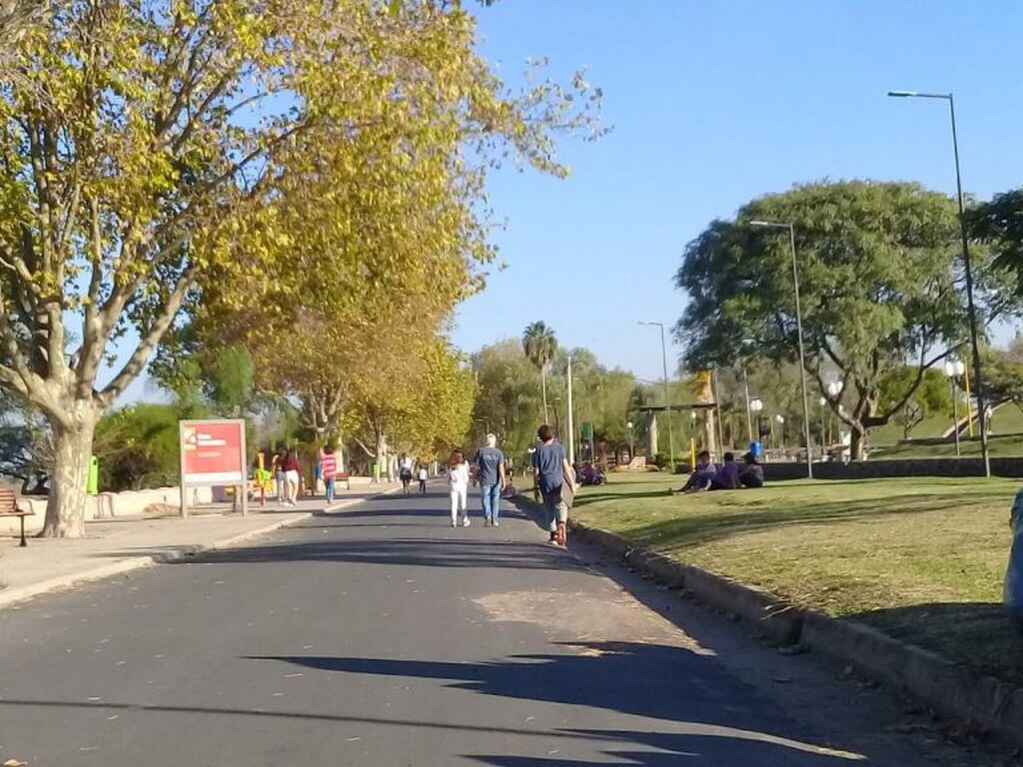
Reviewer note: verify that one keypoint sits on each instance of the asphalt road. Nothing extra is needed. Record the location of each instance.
(382, 636)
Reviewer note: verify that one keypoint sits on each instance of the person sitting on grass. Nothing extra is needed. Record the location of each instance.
(751, 473)
(727, 477)
(702, 475)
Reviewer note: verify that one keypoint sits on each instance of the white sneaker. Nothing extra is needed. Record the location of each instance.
(453, 523)
(496, 523)
(465, 522)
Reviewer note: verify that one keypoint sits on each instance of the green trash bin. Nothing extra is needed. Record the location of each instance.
(92, 481)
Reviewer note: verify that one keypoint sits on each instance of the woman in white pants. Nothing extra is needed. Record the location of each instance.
(458, 480)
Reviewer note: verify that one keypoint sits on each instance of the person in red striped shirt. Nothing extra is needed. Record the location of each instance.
(328, 470)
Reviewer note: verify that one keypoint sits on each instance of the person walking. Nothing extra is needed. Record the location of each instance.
(405, 472)
(489, 472)
(458, 479)
(277, 470)
(328, 470)
(292, 475)
(423, 475)
(552, 471)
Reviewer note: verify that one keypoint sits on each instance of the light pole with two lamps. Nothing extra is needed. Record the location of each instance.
(971, 308)
(955, 369)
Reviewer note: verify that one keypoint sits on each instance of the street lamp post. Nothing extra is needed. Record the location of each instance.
(667, 398)
(967, 269)
(835, 391)
(954, 369)
(755, 406)
(799, 336)
(824, 435)
(632, 440)
(781, 426)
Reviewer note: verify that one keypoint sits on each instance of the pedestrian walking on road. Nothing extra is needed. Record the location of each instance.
(552, 472)
(328, 470)
(292, 471)
(458, 479)
(405, 472)
(423, 476)
(489, 472)
(277, 469)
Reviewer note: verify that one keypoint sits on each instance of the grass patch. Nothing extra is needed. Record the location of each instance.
(921, 558)
(1000, 445)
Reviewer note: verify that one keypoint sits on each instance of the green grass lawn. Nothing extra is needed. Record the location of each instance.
(1006, 437)
(1002, 445)
(920, 558)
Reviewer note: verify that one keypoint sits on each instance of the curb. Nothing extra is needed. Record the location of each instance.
(990, 704)
(10, 597)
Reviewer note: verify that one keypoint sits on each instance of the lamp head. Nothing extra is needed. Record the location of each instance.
(902, 94)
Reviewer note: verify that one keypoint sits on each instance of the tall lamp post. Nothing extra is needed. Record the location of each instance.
(967, 268)
(954, 369)
(824, 428)
(667, 398)
(755, 406)
(799, 336)
(632, 440)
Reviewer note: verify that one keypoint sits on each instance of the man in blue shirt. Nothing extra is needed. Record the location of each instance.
(488, 471)
(552, 471)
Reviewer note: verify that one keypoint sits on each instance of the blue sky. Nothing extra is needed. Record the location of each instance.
(713, 103)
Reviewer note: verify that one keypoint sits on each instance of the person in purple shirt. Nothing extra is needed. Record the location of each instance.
(726, 477)
(702, 475)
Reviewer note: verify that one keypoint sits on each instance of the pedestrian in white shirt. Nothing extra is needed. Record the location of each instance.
(458, 479)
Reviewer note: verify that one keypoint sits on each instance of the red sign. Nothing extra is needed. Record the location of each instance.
(213, 452)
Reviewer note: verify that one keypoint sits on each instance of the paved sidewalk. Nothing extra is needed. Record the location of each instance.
(118, 546)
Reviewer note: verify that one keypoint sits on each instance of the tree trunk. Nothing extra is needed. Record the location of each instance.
(857, 443)
(383, 457)
(72, 451)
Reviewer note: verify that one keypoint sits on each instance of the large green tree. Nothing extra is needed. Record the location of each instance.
(880, 288)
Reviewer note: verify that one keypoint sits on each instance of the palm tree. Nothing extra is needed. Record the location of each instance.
(540, 346)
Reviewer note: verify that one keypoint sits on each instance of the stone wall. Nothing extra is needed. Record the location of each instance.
(907, 467)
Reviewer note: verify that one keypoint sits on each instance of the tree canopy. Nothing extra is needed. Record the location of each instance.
(880, 288)
(306, 158)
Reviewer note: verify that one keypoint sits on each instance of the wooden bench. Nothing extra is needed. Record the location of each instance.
(9, 508)
(343, 476)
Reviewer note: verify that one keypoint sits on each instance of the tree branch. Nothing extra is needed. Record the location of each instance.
(141, 354)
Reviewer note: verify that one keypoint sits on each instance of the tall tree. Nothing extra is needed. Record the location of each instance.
(880, 288)
(540, 345)
(143, 144)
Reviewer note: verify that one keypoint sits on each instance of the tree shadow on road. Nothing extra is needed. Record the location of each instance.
(411, 552)
(702, 712)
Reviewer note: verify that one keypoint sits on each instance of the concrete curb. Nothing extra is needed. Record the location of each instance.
(990, 704)
(13, 596)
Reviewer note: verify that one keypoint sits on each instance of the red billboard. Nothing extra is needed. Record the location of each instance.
(213, 452)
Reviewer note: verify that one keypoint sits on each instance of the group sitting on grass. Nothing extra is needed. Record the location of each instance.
(730, 475)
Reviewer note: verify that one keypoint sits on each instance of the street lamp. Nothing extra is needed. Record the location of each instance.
(799, 336)
(632, 440)
(756, 405)
(781, 424)
(834, 389)
(954, 369)
(967, 267)
(824, 427)
(667, 400)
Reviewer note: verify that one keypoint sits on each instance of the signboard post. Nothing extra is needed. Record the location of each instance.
(213, 454)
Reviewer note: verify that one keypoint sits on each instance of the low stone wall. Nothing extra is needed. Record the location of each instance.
(907, 467)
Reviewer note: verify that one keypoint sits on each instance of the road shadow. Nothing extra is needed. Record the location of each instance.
(411, 552)
(702, 713)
